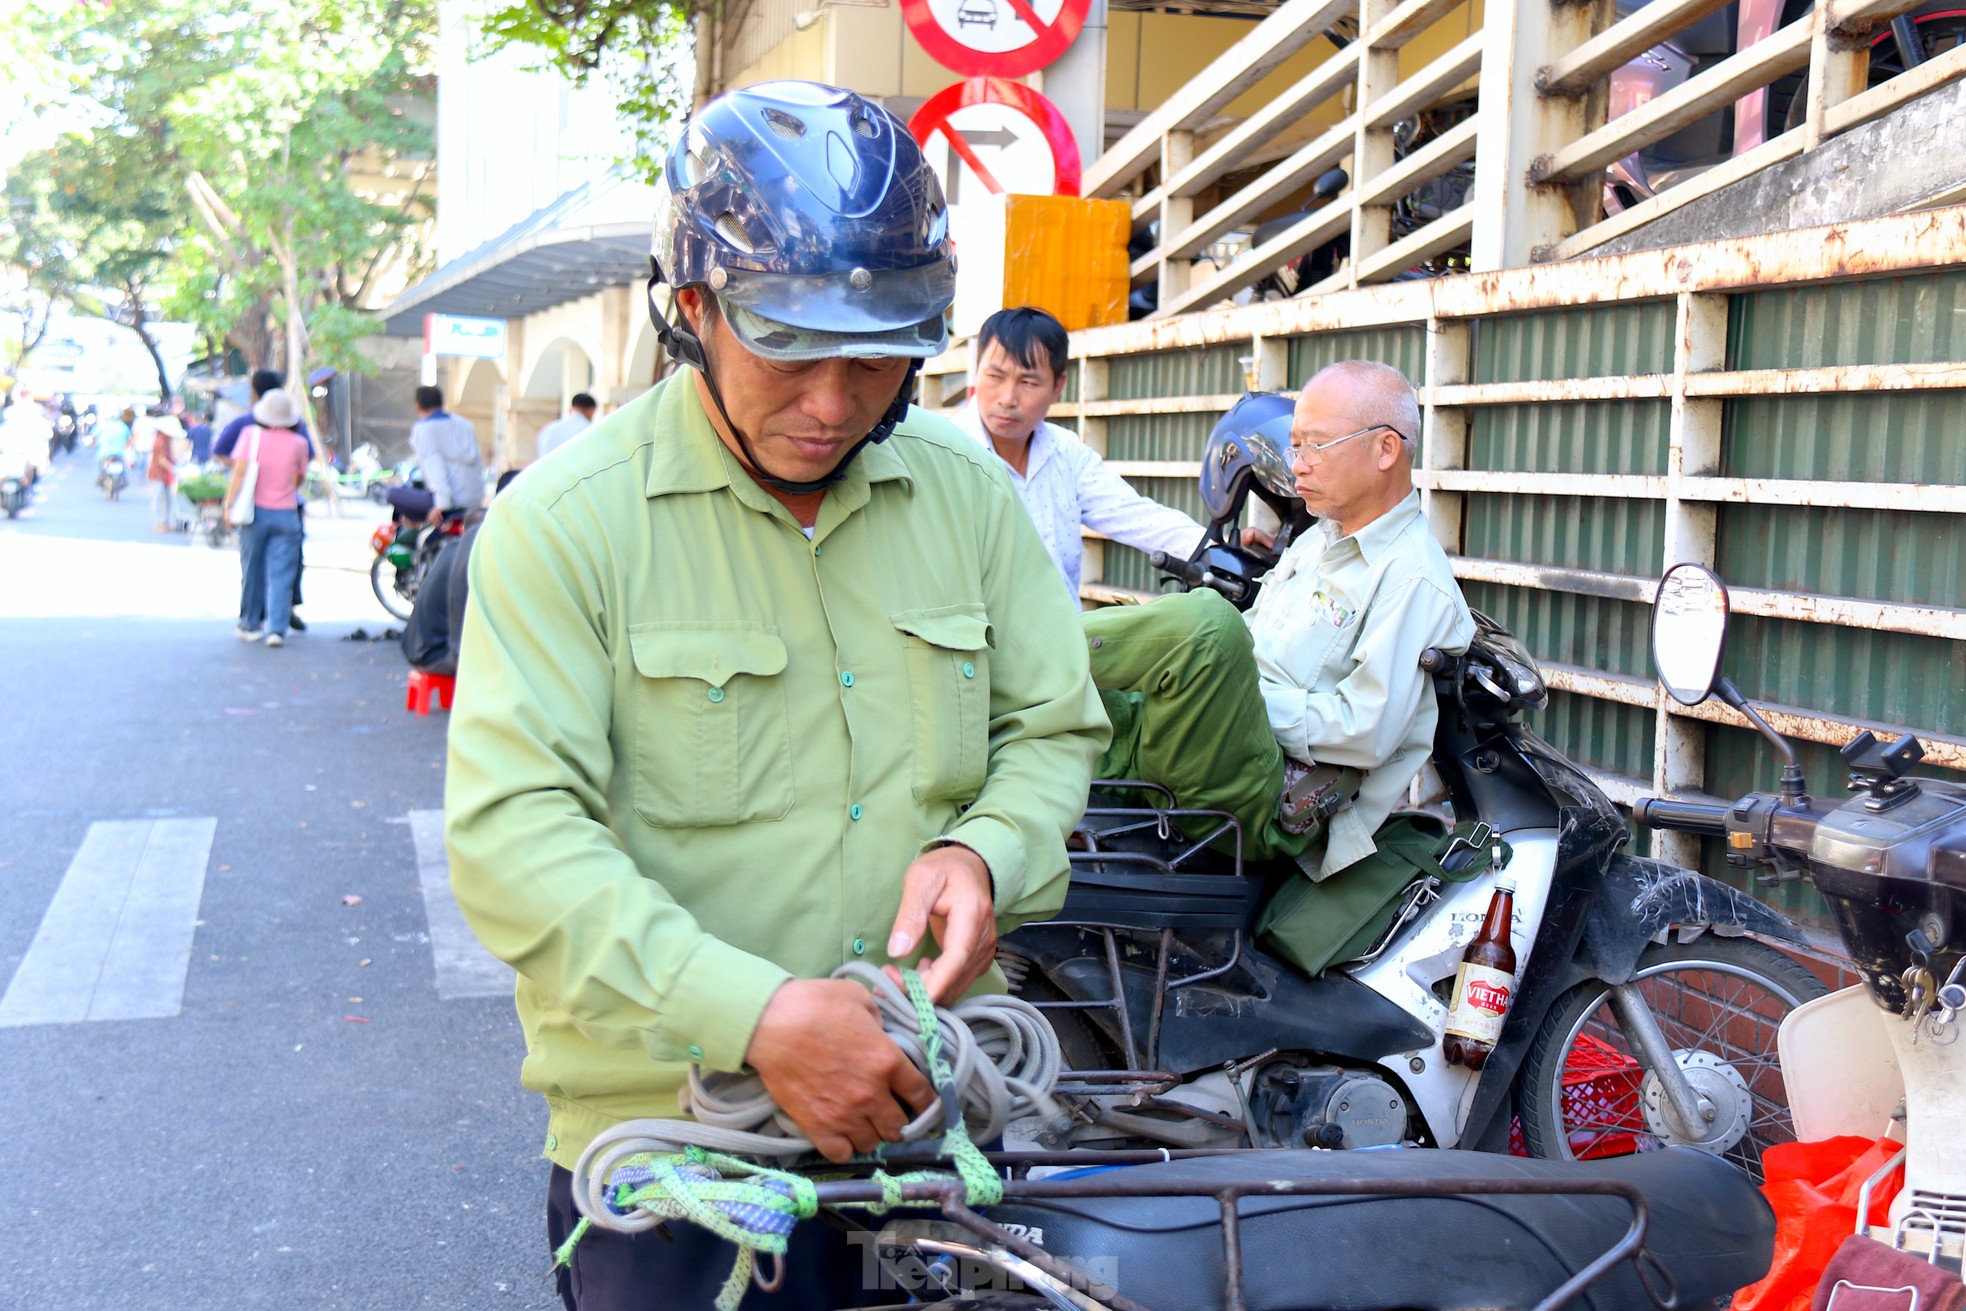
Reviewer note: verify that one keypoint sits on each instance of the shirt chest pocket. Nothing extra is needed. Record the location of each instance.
(947, 651)
(712, 739)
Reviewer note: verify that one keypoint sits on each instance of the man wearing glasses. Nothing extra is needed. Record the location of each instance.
(1318, 687)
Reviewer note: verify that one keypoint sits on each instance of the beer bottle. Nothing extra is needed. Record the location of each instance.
(1485, 986)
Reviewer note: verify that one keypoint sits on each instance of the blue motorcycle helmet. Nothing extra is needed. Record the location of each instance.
(1249, 449)
(809, 215)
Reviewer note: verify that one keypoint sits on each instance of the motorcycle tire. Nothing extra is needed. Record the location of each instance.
(382, 578)
(1722, 998)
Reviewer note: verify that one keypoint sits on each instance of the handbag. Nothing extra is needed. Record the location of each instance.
(1315, 925)
(240, 511)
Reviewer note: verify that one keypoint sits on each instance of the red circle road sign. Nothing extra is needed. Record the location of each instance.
(1003, 134)
(995, 38)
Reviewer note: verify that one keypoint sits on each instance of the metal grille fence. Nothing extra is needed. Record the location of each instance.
(1789, 409)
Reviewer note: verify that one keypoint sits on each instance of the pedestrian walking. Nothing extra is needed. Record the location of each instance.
(264, 381)
(580, 417)
(163, 477)
(200, 435)
(270, 462)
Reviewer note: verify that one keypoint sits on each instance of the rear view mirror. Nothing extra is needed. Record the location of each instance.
(1689, 631)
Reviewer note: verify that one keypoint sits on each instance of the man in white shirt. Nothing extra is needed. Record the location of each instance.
(1018, 372)
(446, 449)
(559, 432)
(1320, 682)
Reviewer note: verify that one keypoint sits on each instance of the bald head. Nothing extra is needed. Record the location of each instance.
(1371, 392)
(1352, 439)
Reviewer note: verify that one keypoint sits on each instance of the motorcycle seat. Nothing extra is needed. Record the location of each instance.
(1709, 1227)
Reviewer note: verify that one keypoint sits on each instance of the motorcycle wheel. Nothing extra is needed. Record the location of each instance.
(382, 578)
(1719, 998)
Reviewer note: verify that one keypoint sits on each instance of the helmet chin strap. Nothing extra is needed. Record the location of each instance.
(682, 342)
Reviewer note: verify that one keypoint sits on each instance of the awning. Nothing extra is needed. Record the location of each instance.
(593, 237)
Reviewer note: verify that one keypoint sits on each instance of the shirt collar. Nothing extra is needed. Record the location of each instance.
(688, 456)
(1379, 535)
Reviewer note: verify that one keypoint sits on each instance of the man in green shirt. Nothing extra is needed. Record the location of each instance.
(769, 673)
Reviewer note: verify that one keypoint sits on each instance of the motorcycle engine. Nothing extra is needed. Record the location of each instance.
(1326, 1106)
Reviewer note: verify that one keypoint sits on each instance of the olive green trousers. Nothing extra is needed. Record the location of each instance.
(1178, 679)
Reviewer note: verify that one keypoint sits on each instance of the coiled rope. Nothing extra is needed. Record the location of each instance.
(991, 1060)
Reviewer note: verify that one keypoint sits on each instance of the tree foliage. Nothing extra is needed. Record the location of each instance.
(234, 165)
(640, 48)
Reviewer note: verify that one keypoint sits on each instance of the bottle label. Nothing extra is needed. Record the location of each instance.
(1481, 998)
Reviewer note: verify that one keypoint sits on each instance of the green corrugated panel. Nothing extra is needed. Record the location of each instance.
(1126, 567)
(1158, 436)
(1592, 342)
(1883, 437)
(1594, 437)
(1858, 673)
(1606, 735)
(1878, 555)
(1403, 347)
(1590, 632)
(1913, 320)
(1607, 534)
(1212, 371)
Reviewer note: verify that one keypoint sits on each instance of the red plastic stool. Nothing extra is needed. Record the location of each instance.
(425, 688)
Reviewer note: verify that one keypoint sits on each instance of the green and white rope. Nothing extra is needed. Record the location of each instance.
(995, 1057)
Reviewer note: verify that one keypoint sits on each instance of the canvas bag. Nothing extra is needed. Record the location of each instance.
(1314, 925)
(240, 511)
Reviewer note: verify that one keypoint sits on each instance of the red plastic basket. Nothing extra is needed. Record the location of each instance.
(1600, 1086)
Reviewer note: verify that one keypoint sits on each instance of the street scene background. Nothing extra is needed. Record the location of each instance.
(318, 1125)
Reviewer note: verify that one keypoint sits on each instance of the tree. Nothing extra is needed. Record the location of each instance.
(237, 168)
(640, 47)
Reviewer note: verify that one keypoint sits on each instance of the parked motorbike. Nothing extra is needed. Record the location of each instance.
(111, 476)
(1891, 864)
(1183, 1031)
(1187, 1038)
(404, 552)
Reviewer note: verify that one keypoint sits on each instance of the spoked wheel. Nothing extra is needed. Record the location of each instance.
(1585, 1091)
(383, 577)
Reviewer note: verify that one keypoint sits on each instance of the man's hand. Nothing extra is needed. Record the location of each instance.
(828, 1064)
(947, 892)
(1258, 538)
(435, 516)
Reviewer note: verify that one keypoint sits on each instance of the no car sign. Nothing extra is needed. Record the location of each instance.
(995, 38)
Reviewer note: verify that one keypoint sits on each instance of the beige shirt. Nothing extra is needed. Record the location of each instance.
(1339, 627)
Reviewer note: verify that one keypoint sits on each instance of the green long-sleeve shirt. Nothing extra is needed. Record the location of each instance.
(694, 752)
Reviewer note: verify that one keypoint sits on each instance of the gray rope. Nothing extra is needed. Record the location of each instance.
(1001, 1052)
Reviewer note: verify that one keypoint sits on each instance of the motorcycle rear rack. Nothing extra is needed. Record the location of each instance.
(948, 1196)
(1165, 822)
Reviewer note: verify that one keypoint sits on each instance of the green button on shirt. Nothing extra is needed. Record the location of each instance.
(655, 753)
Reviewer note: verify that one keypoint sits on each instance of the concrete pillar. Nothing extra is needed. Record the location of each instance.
(1076, 83)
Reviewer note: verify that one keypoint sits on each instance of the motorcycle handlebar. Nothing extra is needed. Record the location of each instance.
(1185, 570)
(1681, 816)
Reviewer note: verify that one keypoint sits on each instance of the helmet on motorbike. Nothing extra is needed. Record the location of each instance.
(810, 215)
(1246, 452)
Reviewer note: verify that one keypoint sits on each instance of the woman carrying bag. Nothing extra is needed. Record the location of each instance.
(264, 502)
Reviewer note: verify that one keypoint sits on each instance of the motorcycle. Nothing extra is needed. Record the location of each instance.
(404, 551)
(16, 483)
(1891, 864)
(111, 476)
(1182, 1030)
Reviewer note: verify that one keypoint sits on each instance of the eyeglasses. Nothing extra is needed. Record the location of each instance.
(1305, 450)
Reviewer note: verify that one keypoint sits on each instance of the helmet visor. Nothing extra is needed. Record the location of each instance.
(843, 303)
(782, 341)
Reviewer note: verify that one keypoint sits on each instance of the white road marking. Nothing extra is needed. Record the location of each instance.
(116, 940)
(464, 967)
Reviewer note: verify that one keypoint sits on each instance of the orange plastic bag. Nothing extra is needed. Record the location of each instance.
(1813, 1188)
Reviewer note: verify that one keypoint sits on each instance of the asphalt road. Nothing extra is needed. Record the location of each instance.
(316, 1127)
